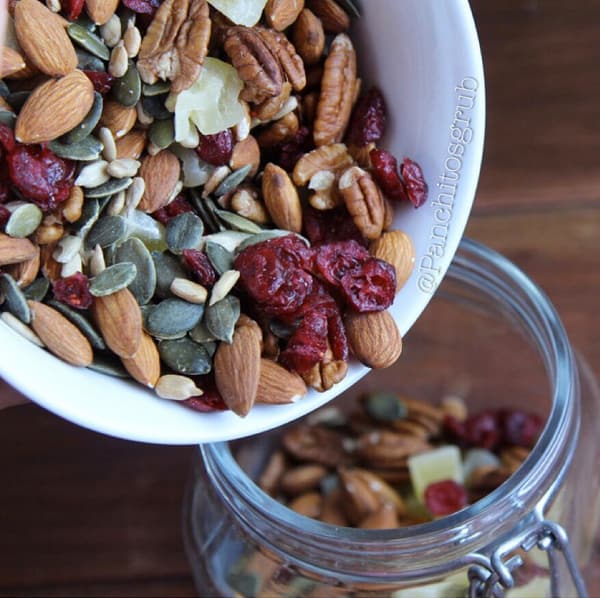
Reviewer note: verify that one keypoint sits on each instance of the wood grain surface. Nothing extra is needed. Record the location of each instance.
(87, 515)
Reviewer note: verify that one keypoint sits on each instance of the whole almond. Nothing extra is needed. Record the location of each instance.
(308, 37)
(54, 108)
(14, 251)
(280, 14)
(119, 319)
(245, 152)
(118, 118)
(10, 62)
(334, 18)
(161, 173)
(43, 38)
(278, 386)
(281, 198)
(131, 145)
(237, 368)
(144, 366)
(60, 336)
(374, 338)
(384, 518)
(25, 272)
(396, 248)
(101, 10)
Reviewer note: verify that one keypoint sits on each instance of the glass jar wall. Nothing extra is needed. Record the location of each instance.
(493, 338)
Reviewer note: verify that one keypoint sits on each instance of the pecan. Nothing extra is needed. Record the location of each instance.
(322, 376)
(315, 443)
(270, 107)
(176, 43)
(290, 61)
(337, 92)
(330, 157)
(279, 131)
(326, 195)
(385, 449)
(363, 200)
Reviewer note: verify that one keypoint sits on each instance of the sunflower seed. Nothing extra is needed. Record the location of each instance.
(220, 318)
(93, 175)
(220, 258)
(231, 182)
(106, 231)
(144, 118)
(97, 262)
(168, 268)
(156, 89)
(238, 222)
(173, 316)
(87, 40)
(189, 291)
(132, 39)
(134, 195)
(71, 267)
(67, 247)
(116, 204)
(176, 388)
(162, 133)
(229, 239)
(123, 167)
(111, 31)
(184, 231)
(15, 300)
(135, 252)
(89, 62)
(23, 221)
(109, 188)
(184, 356)
(108, 141)
(87, 125)
(83, 323)
(200, 334)
(109, 365)
(128, 88)
(112, 279)
(87, 150)
(218, 175)
(20, 328)
(37, 290)
(222, 287)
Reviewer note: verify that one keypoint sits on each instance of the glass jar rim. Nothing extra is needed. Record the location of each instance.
(471, 528)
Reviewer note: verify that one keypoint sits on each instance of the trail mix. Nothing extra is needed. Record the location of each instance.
(191, 195)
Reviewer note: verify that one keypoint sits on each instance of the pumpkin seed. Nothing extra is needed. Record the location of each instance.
(176, 388)
(173, 316)
(88, 124)
(90, 212)
(17, 98)
(154, 106)
(184, 231)
(86, 150)
(168, 268)
(184, 356)
(84, 21)
(15, 324)
(37, 290)
(351, 6)
(106, 363)
(4, 90)
(222, 287)
(233, 181)
(205, 209)
(220, 318)
(84, 324)
(23, 221)
(67, 247)
(109, 188)
(200, 334)
(15, 300)
(8, 118)
(106, 231)
(229, 239)
(385, 407)
(238, 222)
(156, 89)
(89, 62)
(211, 348)
(88, 40)
(280, 330)
(135, 252)
(112, 279)
(220, 258)
(128, 88)
(162, 133)
(267, 235)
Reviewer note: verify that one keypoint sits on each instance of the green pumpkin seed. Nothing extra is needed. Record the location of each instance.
(205, 209)
(220, 318)
(8, 118)
(184, 356)
(83, 323)
(385, 407)
(23, 221)
(267, 235)
(220, 258)
(109, 188)
(15, 300)
(17, 98)
(88, 41)
(144, 284)
(84, 21)
(89, 215)
(112, 279)
(351, 6)
(211, 348)
(174, 316)
(168, 268)
(162, 133)
(88, 124)
(238, 222)
(200, 334)
(86, 150)
(89, 62)
(4, 91)
(128, 88)
(280, 330)
(37, 290)
(106, 363)
(156, 89)
(106, 231)
(154, 106)
(233, 181)
(184, 232)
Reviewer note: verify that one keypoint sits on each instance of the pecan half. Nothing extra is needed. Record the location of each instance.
(176, 43)
(284, 50)
(337, 92)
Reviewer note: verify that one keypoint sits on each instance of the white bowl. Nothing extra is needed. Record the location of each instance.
(425, 56)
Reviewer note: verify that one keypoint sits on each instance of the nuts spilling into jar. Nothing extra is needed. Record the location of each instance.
(191, 195)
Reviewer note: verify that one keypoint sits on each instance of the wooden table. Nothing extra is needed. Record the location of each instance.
(83, 514)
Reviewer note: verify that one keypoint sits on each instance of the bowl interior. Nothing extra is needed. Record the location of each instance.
(425, 56)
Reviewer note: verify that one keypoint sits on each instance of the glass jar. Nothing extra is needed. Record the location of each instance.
(491, 336)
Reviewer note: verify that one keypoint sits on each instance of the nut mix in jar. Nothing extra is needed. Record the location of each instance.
(191, 195)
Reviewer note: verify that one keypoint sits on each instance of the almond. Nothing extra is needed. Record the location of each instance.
(54, 108)
(43, 38)
(276, 385)
(14, 251)
(308, 37)
(118, 118)
(334, 18)
(396, 248)
(131, 145)
(101, 10)
(237, 367)
(374, 338)
(10, 62)
(245, 152)
(144, 366)
(160, 173)
(119, 319)
(25, 272)
(60, 336)
(281, 198)
(280, 14)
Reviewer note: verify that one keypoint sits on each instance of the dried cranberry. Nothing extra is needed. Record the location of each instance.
(445, 497)
(216, 149)
(519, 427)
(385, 171)
(178, 206)
(370, 286)
(482, 430)
(4, 183)
(73, 290)
(200, 266)
(337, 336)
(40, 175)
(335, 259)
(102, 82)
(7, 138)
(416, 187)
(368, 119)
(287, 154)
(4, 216)
(71, 9)
(292, 251)
(308, 344)
(324, 226)
(147, 7)
(454, 430)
